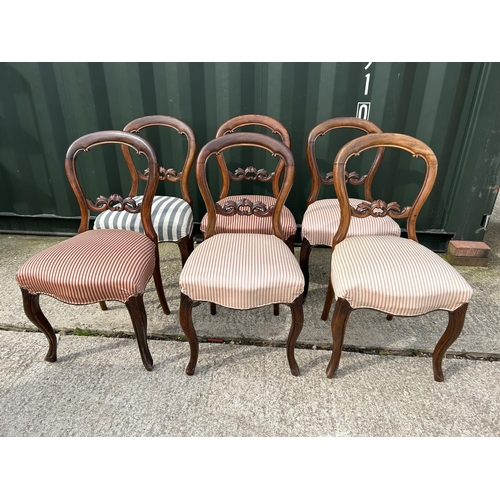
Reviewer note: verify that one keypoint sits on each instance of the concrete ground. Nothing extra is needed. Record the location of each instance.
(243, 387)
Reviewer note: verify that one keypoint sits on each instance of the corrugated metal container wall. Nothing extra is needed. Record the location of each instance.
(453, 107)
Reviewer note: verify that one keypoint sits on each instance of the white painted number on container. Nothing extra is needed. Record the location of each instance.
(363, 110)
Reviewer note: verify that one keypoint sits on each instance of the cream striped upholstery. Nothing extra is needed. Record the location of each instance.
(251, 223)
(93, 266)
(322, 218)
(396, 276)
(172, 218)
(242, 271)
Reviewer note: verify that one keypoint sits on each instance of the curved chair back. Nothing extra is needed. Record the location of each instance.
(353, 177)
(114, 202)
(250, 173)
(380, 208)
(244, 207)
(182, 176)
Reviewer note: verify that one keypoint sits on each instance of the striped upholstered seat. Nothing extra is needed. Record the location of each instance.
(252, 223)
(396, 276)
(322, 218)
(172, 219)
(117, 273)
(243, 270)
(257, 270)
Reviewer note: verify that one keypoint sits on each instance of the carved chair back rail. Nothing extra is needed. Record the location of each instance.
(251, 173)
(379, 208)
(243, 206)
(352, 178)
(135, 126)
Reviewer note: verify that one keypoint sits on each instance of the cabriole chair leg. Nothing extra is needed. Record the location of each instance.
(135, 306)
(32, 309)
(186, 321)
(456, 320)
(339, 322)
(293, 335)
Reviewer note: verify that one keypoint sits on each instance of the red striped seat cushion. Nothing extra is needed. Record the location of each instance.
(251, 223)
(396, 276)
(98, 265)
(242, 271)
(322, 218)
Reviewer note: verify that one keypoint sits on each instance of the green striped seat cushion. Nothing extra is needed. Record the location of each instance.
(172, 218)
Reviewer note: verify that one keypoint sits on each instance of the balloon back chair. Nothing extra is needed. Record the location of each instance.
(242, 270)
(252, 223)
(397, 276)
(172, 217)
(322, 217)
(95, 266)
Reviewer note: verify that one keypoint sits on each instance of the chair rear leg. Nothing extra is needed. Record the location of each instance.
(103, 305)
(159, 284)
(293, 335)
(289, 242)
(339, 322)
(186, 246)
(186, 321)
(305, 252)
(32, 309)
(135, 306)
(330, 295)
(456, 320)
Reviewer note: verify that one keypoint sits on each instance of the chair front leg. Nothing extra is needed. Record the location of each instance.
(32, 309)
(135, 306)
(456, 320)
(305, 252)
(295, 329)
(339, 322)
(186, 321)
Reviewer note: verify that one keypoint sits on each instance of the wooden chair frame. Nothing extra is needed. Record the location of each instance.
(350, 177)
(251, 173)
(185, 244)
(243, 207)
(378, 208)
(135, 305)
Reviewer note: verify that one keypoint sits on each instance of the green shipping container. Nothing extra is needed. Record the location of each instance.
(453, 107)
